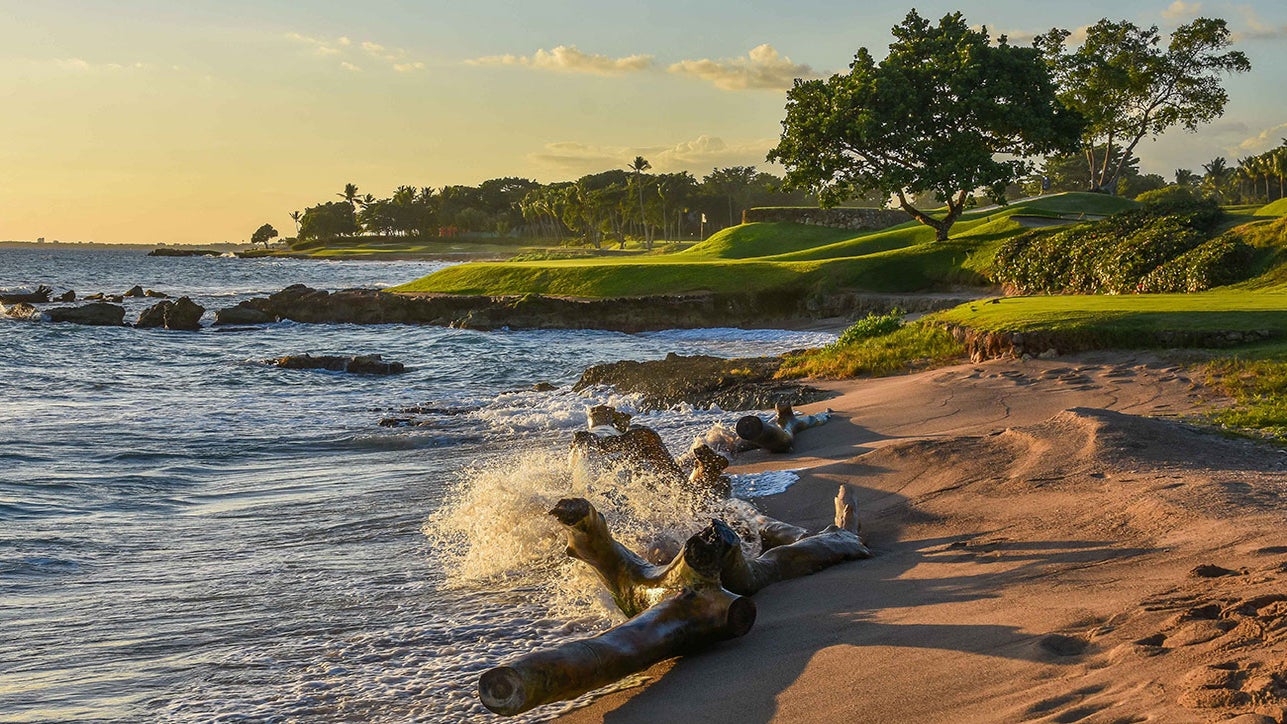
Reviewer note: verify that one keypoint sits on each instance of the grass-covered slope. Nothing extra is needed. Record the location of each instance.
(1277, 208)
(778, 256)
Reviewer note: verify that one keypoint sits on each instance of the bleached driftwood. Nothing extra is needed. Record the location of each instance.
(676, 608)
(778, 435)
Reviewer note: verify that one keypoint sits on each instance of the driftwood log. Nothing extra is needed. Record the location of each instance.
(688, 604)
(39, 296)
(778, 435)
(676, 608)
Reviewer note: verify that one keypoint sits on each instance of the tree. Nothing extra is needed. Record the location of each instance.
(930, 117)
(1217, 179)
(327, 221)
(1186, 177)
(638, 166)
(350, 194)
(263, 234)
(295, 216)
(733, 182)
(1127, 87)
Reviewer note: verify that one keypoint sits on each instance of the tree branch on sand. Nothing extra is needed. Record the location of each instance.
(778, 436)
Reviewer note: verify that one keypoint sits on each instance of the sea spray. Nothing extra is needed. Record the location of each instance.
(495, 531)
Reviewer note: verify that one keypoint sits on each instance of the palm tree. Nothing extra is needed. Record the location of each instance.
(1185, 177)
(296, 216)
(1217, 176)
(350, 194)
(639, 165)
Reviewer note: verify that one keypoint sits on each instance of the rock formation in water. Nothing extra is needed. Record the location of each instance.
(182, 314)
(363, 364)
(100, 314)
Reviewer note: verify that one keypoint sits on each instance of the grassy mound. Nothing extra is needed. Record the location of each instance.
(779, 256)
(1277, 208)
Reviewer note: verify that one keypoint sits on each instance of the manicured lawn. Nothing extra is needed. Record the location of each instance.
(1216, 310)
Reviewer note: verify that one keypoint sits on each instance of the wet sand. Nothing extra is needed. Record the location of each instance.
(1052, 544)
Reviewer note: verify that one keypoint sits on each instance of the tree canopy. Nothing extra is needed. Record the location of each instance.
(933, 116)
(263, 234)
(1128, 88)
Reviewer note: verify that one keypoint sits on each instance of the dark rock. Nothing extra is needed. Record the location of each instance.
(182, 313)
(701, 381)
(243, 313)
(67, 296)
(1208, 570)
(94, 296)
(364, 364)
(98, 314)
(183, 252)
(22, 311)
(155, 294)
(135, 291)
(40, 296)
(544, 387)
(299, 303)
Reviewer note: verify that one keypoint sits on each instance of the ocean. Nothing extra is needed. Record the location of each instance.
(188, 534)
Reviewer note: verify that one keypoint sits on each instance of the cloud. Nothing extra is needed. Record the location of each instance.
(1269, 138)
(762, 68)
(1180, 10)
(698, 155)
(80, 65)
(1255, 28)
(344, 50)
(567, 59)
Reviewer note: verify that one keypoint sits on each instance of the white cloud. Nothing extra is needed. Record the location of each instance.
(80, 65)
(762, 68)
(345, 51)
(1180, 10)
(568, 59)
(1269, 138)
(698, 155)
(1255, 28)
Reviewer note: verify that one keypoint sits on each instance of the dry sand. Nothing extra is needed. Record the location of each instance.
(1037, 527)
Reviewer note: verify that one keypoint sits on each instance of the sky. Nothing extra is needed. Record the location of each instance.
(195, 121)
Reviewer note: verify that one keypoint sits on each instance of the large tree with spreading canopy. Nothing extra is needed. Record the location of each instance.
(1128, 87)
(947, 113)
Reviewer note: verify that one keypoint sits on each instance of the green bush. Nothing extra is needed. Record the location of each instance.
(873, 325)
(1223, 260)
(1116, 255)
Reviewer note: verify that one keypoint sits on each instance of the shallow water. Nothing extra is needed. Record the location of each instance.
(189, 535)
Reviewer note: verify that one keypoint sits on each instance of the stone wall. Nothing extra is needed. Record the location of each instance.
(836, 218)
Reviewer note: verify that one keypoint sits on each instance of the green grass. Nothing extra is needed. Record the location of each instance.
(910, 347)
(776, 257)
(1259, 390)
(1277, 208)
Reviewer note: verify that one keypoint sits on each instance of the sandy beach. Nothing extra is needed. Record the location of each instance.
(1052, 544)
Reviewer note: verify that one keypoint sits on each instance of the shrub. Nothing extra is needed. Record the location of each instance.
(1223, 260)
(873, 325)
(1116, 255)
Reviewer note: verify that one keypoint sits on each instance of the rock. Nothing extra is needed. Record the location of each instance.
(182, 313)
(96, 295)
(135, 291)
(544, 387)
(154, 293)
(39, 296)
(183, 252)
(243, 313)
(299, 303)
(22, 311)
(98, 314)
(701, 381)
(364, 364)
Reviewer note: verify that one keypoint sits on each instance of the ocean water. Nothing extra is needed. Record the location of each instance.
(187, 534)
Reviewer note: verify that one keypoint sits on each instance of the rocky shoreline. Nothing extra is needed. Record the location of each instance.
(299, 303)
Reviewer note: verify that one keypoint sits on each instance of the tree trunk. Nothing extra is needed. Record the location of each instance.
(778, 436)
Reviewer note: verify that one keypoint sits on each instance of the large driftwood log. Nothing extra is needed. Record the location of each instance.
(778, 436)
(687, 604)
(689, 620)
(39, 296)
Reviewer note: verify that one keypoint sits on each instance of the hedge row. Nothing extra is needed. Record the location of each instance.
(1141, 250)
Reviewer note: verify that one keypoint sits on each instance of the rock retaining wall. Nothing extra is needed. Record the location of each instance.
(983, 345)
(836, 218)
